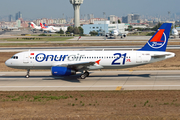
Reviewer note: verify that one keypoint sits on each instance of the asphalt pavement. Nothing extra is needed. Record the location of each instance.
(98, 80)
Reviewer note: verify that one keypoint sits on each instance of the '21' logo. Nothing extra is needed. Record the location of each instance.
(119, 55)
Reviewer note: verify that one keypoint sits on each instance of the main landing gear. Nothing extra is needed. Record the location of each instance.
(84, 75)
(27, 76)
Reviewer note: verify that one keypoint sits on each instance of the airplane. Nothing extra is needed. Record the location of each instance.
(174, 31)
(45, 25)
(116, 32)
(48, 29)
(66, 63)
(35, 26)
(57, 29)
(9, 28)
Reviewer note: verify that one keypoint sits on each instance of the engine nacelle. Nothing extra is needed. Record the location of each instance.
(62, 71)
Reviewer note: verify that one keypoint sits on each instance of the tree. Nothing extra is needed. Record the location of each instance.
(155, 28)
(61, 31)
(93, 33)
(76, 30)
(113, 23)
(130, 27)
(70, 29)
(119, 21)
(81, 30)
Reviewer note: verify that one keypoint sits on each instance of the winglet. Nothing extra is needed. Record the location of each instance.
(159, 40)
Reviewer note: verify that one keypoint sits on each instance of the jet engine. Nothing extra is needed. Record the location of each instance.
(62, 71)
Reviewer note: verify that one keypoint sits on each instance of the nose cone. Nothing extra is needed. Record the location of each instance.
(8, 63)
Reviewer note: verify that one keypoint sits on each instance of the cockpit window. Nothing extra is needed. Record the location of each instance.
(14, 57)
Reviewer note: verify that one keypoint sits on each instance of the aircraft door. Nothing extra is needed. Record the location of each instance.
(139, 58)
(26, 58)
(146, 58)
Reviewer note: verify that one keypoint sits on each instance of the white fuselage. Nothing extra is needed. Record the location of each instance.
(115, 32)
(107, 59)
(37, 28)
(49, 29)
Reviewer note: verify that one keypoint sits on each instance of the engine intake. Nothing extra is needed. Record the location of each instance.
(62, 71)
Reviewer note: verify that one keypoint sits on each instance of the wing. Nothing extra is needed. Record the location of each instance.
(78, 66)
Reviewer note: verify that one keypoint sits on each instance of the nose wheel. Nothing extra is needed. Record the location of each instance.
(84, 75)
(27, 76)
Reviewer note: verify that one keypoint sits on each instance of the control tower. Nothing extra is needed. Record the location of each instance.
(76, 4)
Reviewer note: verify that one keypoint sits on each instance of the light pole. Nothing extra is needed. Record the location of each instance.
(104, 26)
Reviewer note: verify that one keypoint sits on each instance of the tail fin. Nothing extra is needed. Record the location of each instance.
(33, 25)
(159, 40)
(42, 26)
(45, 25)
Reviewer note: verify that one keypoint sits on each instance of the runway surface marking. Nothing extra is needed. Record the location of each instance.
(118, 88)
(166, 76)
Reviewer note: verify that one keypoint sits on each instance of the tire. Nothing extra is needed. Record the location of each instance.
(27, 76)
(87, 74)
(83, 76)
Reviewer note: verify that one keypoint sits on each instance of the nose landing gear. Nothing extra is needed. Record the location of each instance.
(27, 76)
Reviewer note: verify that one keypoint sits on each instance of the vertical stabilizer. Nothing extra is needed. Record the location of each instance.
(159, 40)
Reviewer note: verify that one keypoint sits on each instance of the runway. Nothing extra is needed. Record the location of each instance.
(98, 80)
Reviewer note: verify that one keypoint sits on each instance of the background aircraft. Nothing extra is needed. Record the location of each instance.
(116, 32)
(35, 26)
(48, 29)
(57, 29)
(65, 63)
(9, 28)
(174, 31)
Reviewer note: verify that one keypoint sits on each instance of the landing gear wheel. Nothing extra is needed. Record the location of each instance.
(27, 76)
(83, 76)
(87, 74)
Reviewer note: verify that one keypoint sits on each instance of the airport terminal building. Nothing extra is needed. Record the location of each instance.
(100, 26)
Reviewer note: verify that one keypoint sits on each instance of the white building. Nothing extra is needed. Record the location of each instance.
(100, 26)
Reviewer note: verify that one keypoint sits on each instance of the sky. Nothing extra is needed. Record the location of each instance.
(34, 9)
